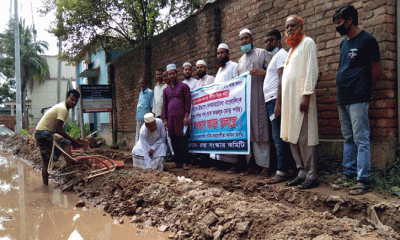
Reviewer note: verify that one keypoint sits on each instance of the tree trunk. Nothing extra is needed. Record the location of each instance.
(148, 70)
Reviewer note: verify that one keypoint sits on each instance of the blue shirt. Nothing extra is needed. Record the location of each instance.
(145, 103)
(354, 77)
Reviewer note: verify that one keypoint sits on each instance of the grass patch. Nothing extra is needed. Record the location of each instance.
(386, 179)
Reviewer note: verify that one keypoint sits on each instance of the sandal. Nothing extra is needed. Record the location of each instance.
(341, 182)
(276, 179)
(359, 189)
(264, 173)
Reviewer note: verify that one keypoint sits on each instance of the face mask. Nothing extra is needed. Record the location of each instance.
(342, 29)
(273, 51)
(246, 48)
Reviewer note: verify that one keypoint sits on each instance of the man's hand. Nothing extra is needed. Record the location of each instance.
(165, 124)
(277, 110)
(186, 120)
(305, 103)
(257, 72)
(151, 152)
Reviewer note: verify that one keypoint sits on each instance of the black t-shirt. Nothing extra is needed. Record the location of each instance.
(353, 79)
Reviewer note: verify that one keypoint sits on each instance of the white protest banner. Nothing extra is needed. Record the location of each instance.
(220, 117)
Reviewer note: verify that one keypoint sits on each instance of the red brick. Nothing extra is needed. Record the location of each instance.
(383, 103)
(329, 115)
(382, 113)
(384, 133)
(386, 123)
(330, 131)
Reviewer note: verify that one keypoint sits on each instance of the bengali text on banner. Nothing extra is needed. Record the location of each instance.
(220, 117)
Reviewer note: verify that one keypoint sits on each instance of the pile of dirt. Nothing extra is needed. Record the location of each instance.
(208, 207)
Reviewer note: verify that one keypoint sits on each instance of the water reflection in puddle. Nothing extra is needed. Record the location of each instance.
(29, 210)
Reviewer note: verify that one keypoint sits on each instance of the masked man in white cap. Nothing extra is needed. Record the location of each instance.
(228, 68)
(175, 113)
(255, 61)
(187, 73)
(204, 78)
(151, 149)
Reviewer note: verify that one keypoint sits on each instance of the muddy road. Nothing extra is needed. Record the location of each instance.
(208, 204)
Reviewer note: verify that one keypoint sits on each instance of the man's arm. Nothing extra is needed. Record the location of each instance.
(60, 130)
(278, 104)
(257, 72)
(188, 104)
(159, 141)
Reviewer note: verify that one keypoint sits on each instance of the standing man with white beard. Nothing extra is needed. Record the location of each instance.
(299, 124)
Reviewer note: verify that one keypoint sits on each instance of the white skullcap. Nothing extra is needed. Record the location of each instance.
(171, 66)
(186, 64)
(244, 31)
(148, 117)
(223, 46)
(201, 62)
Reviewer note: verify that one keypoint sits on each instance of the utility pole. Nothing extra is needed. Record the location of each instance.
(59, 70)
(18, 126)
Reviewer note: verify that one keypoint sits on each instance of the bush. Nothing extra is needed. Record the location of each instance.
(74, 130)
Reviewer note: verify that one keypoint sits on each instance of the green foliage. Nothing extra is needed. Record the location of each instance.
(7, 91)
(386, 178)
(34, 67)
(135, 21)
(122, 145)
(74, 130)
(25, 132)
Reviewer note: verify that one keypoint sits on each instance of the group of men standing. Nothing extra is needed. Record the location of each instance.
(283, 96)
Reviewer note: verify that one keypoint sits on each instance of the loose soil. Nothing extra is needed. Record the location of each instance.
(208, 204)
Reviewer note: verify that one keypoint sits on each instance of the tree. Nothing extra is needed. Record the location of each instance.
(135, 21)
(7, 91)
(34, 67)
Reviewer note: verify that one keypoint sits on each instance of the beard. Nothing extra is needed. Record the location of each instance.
(201, 74)
(293, 41)
(223, 61)
(188, 76)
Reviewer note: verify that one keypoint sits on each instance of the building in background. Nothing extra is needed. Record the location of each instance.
(44, 95)
(92, 69)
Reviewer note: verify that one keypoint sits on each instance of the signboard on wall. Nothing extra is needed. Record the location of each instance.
(96, 98)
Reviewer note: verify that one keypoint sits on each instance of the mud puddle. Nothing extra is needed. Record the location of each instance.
(29, 210)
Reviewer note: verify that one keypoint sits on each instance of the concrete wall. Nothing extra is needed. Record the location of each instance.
(45, 95)
(198, 37)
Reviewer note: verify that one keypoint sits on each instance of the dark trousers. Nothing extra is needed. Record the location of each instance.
(283, 151)
(179, 145)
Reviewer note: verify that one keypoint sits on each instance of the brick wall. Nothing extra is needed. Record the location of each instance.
(198, 37)
(8, 121)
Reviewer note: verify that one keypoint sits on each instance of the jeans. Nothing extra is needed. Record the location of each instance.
(356, 150)
(283, 151)
(180, 147)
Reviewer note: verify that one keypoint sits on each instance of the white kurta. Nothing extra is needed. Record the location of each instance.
(299, 78)
(158, 98)
(206, 80)
(156, 140)
(192, 83)
(226, 73)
